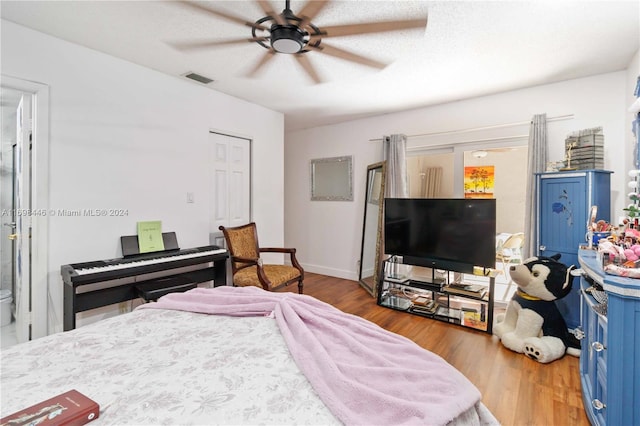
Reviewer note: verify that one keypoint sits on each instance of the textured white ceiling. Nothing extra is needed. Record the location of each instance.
(468, 49)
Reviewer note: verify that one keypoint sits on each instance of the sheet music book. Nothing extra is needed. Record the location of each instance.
(150, 236)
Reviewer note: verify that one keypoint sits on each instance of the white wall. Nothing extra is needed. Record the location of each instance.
(327, 235)
(127, 137)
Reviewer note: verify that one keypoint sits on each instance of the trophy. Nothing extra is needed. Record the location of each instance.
(570, 146)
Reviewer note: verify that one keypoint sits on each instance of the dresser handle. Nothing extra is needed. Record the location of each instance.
(578, 333)
(597, 404)
(598, 347)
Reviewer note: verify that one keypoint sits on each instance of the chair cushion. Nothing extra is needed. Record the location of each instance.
(277, 274)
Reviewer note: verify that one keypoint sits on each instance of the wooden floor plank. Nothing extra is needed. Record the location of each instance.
(517, 390)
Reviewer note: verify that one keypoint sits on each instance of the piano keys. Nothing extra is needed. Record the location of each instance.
(74, 276)
(102, 270)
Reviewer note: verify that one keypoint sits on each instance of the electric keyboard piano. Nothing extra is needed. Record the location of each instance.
(81, 274)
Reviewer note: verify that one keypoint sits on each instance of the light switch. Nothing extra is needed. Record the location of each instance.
(190, 197)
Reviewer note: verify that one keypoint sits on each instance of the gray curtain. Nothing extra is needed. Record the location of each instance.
(430, 181)
(537, 160)
(395, 147)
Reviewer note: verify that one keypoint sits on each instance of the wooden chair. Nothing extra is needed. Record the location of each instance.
(247, 266)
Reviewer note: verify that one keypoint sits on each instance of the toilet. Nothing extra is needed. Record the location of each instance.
(5, 307)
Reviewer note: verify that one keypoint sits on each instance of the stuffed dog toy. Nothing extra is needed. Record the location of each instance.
(532, 324)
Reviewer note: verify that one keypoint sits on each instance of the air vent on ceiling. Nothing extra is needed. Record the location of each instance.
(199, 78)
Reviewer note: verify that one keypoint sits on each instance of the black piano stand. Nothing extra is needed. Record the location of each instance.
(75, 302)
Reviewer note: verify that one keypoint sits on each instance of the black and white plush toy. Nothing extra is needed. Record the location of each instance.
(532, 324)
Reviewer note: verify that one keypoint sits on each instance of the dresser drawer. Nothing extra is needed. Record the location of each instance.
(593, 356)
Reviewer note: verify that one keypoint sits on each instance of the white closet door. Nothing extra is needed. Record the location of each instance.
(230, 157)
(22, 200)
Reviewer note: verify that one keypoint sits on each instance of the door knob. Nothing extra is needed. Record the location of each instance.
(13, 236)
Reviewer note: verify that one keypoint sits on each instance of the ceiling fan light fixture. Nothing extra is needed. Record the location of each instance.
(293, 34)
(287, 39)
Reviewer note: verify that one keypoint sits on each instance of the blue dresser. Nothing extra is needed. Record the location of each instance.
(564, 202)
(610, 354)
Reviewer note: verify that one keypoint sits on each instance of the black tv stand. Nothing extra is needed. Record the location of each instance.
(467, 303)
(435, 280)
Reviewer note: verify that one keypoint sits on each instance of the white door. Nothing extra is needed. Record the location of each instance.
(23, 214)
(10, 100)
(24, 175)
(230, 157)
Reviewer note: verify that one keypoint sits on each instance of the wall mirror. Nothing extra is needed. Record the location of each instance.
(371, 253)
(331, 179)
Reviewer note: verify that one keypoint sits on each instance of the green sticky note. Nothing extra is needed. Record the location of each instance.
(150, 236)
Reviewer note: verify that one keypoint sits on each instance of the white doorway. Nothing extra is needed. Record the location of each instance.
(509, 162)
(24, 197)
(10, 102)
(21, 216)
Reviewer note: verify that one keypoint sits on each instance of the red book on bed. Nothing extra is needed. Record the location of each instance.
(70, 408)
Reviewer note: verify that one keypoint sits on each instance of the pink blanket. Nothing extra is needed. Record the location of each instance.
(363, 373)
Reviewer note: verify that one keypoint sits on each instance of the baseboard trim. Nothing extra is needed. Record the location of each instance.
(332, 272)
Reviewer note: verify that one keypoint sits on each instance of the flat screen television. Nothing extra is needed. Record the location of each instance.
(454, 234)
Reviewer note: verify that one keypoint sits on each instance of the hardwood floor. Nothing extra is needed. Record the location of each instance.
(517, 390)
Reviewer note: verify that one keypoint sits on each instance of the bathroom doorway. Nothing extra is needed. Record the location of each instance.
(24, 197)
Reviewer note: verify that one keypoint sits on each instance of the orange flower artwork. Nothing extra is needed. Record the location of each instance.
(479, 181)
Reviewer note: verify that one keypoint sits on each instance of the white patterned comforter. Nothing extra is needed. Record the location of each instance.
(164, 367)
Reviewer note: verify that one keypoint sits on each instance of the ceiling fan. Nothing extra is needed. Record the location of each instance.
(297, 35)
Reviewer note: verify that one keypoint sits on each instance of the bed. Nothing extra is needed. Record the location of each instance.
(241, 356)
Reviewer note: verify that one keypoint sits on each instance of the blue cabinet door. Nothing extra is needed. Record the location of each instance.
(563, 214)
(623, 371)
(564, 203)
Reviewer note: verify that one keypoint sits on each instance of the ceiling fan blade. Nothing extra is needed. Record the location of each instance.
(269, 54)
(266, 7)
(205, 44)
(349, 56)
(372, 27)
(303, 60)
(310, 10)
(224, 15)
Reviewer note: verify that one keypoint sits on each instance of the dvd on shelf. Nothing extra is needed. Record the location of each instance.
(472, 290)
(428, 309)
